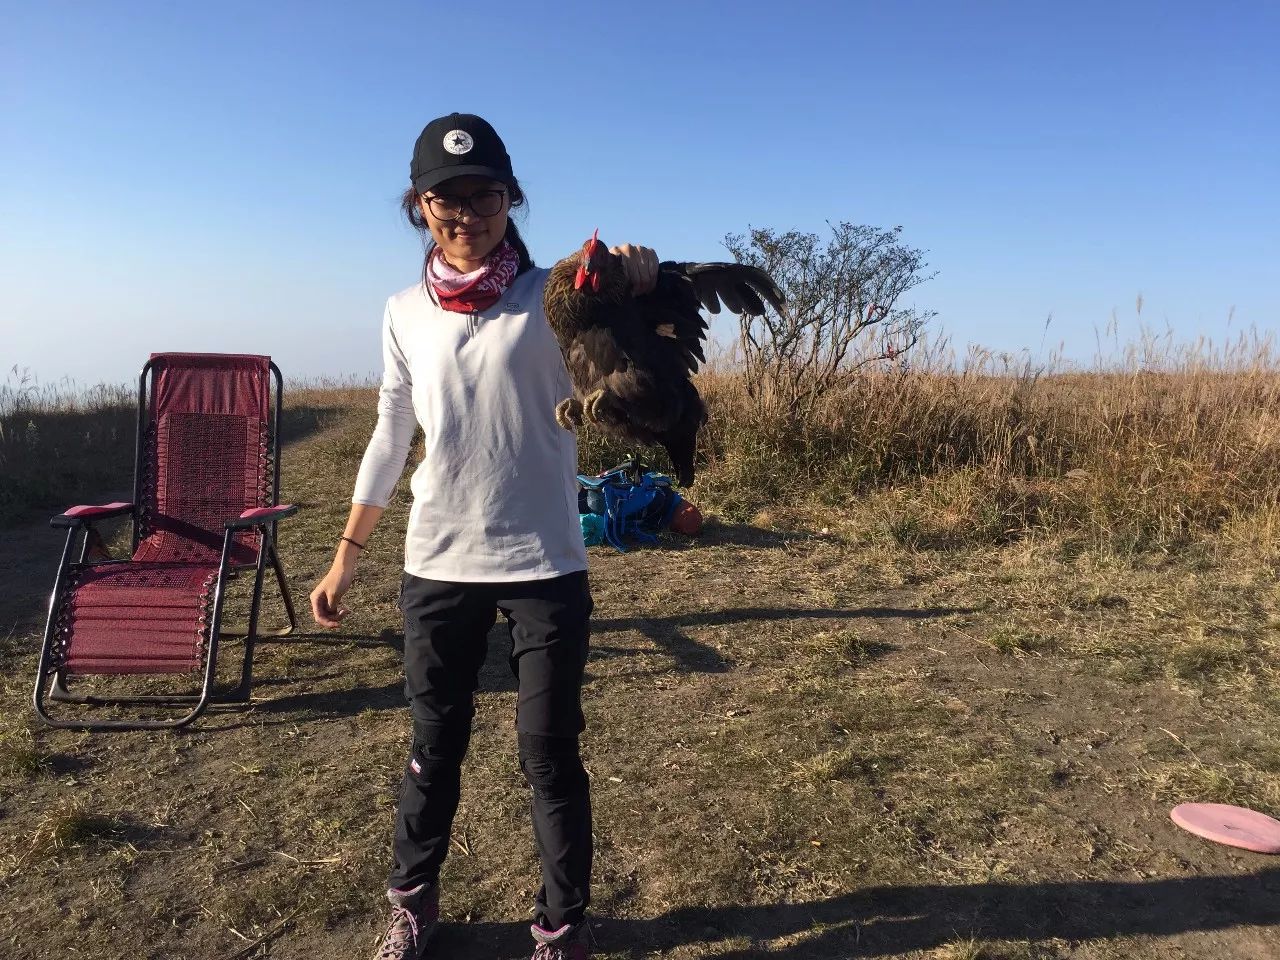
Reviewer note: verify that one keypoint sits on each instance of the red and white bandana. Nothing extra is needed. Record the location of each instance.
(477, 290)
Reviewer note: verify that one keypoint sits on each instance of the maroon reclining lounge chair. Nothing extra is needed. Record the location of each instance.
(205, 506)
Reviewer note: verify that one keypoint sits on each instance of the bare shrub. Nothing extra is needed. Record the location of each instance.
(842, 310)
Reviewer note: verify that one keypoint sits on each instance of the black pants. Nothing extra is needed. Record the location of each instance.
(445, 629)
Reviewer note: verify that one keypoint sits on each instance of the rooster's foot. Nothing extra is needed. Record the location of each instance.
(591, 405)
(569, 414)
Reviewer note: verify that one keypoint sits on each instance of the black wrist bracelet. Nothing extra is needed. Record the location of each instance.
(356, 542)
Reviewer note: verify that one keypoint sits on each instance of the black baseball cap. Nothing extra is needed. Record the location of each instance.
(458, 145)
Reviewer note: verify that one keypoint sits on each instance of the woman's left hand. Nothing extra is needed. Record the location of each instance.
(641, 264)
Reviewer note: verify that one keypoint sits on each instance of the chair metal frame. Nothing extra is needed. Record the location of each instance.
(82, 519)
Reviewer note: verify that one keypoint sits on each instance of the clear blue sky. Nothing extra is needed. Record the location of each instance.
(224, 176)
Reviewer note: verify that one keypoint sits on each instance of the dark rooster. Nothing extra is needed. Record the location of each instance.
(630, 357)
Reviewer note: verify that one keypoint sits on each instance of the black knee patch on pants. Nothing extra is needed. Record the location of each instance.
(440, 747)
(551, 765)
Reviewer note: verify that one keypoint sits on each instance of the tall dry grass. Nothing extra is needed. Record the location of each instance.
(1151, 446)
(60, 443)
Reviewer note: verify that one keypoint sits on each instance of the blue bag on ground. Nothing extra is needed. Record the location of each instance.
(630, 501)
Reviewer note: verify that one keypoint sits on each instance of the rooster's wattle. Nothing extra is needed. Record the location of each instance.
(630, 357)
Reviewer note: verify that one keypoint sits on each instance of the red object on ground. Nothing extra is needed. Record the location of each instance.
(1233, 826)
(687, 519)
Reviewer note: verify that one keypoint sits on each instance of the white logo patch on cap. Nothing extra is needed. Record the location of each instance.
(458, 142)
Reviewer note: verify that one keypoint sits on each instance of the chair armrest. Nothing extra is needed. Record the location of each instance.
(85, 514)
(262, 515)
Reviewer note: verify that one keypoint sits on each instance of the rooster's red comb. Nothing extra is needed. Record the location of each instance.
(585, 271)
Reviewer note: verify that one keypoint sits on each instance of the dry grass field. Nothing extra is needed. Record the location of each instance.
(926, 687)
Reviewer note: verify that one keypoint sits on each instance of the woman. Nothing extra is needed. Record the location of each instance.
(494, 526)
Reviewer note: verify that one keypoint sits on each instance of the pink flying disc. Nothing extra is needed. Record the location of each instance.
(1234, 826)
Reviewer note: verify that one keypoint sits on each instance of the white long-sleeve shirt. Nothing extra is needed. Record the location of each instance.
(494, 498)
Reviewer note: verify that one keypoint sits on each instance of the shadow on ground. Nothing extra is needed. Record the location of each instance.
(896, 920)
(496, 676)
(717, 533)
(696, 657)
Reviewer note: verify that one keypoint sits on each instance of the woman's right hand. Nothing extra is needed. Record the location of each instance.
(327, 595)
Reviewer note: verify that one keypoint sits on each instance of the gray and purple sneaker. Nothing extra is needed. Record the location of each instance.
(570, 942)
(414, 916)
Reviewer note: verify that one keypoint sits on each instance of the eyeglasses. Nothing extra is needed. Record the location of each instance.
(483, 203)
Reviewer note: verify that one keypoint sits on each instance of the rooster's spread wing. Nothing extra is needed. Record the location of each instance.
(673, 308)
(739, 286)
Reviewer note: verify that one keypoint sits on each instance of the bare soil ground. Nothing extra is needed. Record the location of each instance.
(805, 740)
